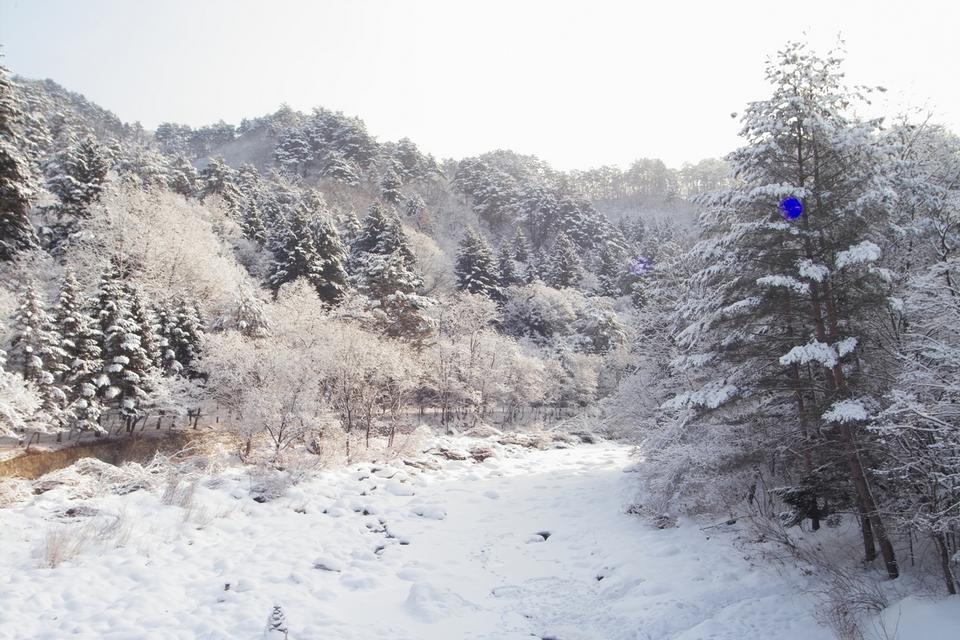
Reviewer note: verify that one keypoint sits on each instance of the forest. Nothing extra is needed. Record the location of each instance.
(324, 295)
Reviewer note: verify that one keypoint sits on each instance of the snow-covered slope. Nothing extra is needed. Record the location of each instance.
(532, 544)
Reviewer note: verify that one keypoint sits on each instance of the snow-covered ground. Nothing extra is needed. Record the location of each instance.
(532, 544)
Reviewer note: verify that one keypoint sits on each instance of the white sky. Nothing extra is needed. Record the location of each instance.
(577, 83)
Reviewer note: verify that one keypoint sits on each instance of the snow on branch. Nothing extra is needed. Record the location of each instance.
(861, 253)
(846, 411)
(812, 271)
(812, 352)
(785, 282)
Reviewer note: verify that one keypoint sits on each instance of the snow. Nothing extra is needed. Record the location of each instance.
(811, 352)
(861, 253)
(846, 411)
(216, 567)
(812, 271)
(785, 282)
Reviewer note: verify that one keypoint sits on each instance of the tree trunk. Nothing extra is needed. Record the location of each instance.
(945, 563)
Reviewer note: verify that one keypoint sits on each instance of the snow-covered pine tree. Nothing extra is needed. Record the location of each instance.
(84, 366)
(296, 254)
(16, 231)
(563, 269)
(781, 306)
(390, 187)
(126, 365)
(349, 228)
(166, 323)
(143, 316)
(476, 268)
(520, 247)
(293, 152)
(384, 268)
(183, 176)
(218, 178)
(332, 282)
(610, 272)
(76, 176)
(509, 272)
(37, 349)
(921, 460)
(186, 338)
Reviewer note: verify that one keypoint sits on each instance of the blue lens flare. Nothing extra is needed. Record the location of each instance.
(791, 208)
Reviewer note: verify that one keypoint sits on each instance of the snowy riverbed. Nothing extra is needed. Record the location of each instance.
(532, 544)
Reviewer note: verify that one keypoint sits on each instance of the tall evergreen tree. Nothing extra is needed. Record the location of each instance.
(126, 365)
(509, 273)
(37, 348)
(610, 272)
(476, 268)
(77, 174)
(332, 283)
(385, 269)
(186, 338)
(16, 231)
(183, 177)
(81, 342)
(782, 305)
(390, 187)
(564, 268)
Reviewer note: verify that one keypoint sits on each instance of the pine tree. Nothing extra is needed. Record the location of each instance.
(390, 187)
(293, 152)
(16, 232)
(77, 174)
(509, 273)
(332, 283)
(166, 324)
(782, 306)
(81, 342)
(564, 267)
(218, 178)
(186, 338)
(313, 251)
(476, 268)
(610, 272)
(351, 228)
(183, 177)
(142, 315)
(520, 247)
(385, 269)
(127, 366)
(37, 348)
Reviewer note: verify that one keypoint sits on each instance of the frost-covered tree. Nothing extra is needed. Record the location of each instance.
(610, 272)
(186, 338)
(84, 366)
(476, 268)
(16, 231)
(780, 306)
(385, 270)
(563, 269)
(390, 187)
(310, 250)
(126, 365)
(76, 175)
(37, 348)
(509, 271)
(183, 177)
(19, 402)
